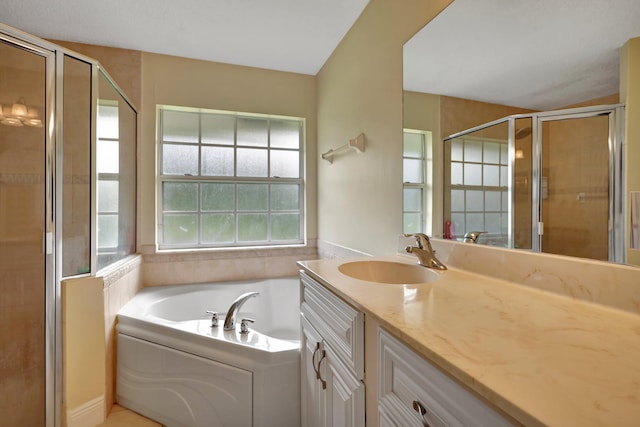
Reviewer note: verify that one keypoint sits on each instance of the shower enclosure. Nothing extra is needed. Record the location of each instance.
(53, 206)
(548, 182)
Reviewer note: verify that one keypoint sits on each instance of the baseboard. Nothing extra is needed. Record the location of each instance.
(88, 414)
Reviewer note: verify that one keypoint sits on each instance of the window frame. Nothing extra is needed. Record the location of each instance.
(426, 186)
(237, 181)
(102, 250)
(502, 164)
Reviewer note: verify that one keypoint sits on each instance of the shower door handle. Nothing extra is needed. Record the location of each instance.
(48, 243)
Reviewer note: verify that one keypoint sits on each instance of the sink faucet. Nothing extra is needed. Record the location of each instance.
(472, 236)
(230, 320)
(425, 253)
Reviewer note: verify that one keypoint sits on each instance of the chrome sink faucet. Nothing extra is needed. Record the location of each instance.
(425, 253)
(230, 320)
(472, 236)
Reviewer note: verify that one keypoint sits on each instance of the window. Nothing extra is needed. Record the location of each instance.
(116, 176)
(108, 168)
(416, 187)
(479, 186)
(229, 179)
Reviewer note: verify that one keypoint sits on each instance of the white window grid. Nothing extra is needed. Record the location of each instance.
(105, 250)
(420, 185)
(469, 219)
(200, 179)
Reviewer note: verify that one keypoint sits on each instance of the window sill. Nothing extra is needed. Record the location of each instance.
(304, 251)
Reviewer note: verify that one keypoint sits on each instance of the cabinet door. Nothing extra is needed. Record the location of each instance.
(344, 393)
(413, 392)
(312, 395)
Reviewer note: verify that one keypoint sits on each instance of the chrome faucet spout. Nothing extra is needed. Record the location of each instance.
(230, 319)
(472, 236)
(424, 252)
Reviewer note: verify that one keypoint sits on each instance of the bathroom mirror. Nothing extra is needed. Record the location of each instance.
(477, 63)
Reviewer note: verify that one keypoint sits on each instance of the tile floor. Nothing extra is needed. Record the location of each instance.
(122, 417)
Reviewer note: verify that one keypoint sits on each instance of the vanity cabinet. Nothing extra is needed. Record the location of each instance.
(412, 392)
(332, 362)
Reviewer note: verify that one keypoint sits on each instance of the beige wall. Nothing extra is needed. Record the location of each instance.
(630, 95)
(123, 65)
(185, 82)
(83, 344)
(459, 114)
(360, 90)
(89, 309)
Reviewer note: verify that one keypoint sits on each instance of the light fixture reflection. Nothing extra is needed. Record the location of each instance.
(19, 114)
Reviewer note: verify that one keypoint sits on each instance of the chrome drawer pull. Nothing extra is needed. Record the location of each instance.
(420, 409)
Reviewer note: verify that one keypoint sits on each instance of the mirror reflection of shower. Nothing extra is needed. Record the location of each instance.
(548, 182)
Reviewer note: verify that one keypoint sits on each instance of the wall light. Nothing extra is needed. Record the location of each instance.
(19, 114)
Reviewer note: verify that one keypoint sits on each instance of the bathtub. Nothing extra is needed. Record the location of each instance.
(173, 367)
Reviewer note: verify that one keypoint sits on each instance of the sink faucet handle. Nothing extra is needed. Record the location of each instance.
(244, 325)
(214, 318)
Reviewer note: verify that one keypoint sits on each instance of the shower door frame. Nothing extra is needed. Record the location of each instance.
(52, 324)
(54, 188)
(616, 163)
(616, 209)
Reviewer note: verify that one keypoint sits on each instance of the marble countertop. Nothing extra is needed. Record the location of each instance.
(544, 359)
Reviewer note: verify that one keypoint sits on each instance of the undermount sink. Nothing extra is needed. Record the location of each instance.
(388, 272)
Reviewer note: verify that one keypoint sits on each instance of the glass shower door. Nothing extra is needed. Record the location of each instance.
(575, 186)
(23, 223)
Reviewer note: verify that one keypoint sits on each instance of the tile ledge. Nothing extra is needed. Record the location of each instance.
(116, 271)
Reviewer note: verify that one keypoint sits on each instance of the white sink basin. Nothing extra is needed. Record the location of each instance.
(388, 272)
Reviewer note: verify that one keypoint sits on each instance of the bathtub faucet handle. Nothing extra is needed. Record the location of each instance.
(214, 318)
(244, 327)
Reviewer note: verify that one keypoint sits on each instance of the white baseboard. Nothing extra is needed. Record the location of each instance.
(88, 414)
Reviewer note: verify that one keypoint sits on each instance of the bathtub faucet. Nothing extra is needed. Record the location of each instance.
(230, 320)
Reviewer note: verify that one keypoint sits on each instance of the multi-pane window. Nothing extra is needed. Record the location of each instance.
(479, 186)
(229, 179)
(108, 169)
(414, 189)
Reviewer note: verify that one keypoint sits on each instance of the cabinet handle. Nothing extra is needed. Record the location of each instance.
(422, 411)
(323, 354)
(313, 361)
(323, 382)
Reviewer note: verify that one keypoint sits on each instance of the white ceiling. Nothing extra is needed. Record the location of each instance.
(537, 54)
(286, 35)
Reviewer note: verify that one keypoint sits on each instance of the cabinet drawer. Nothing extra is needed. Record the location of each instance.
(407, 384)
(341, 326)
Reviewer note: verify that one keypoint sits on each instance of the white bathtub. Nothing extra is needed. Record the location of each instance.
(173, 367)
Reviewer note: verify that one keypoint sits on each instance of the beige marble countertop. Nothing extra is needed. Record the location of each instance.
(543, 358)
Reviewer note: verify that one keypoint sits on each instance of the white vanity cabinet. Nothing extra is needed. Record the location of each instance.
(412, 392)
(332, 359)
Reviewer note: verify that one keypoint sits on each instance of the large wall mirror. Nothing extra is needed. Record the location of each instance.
(523, 102)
